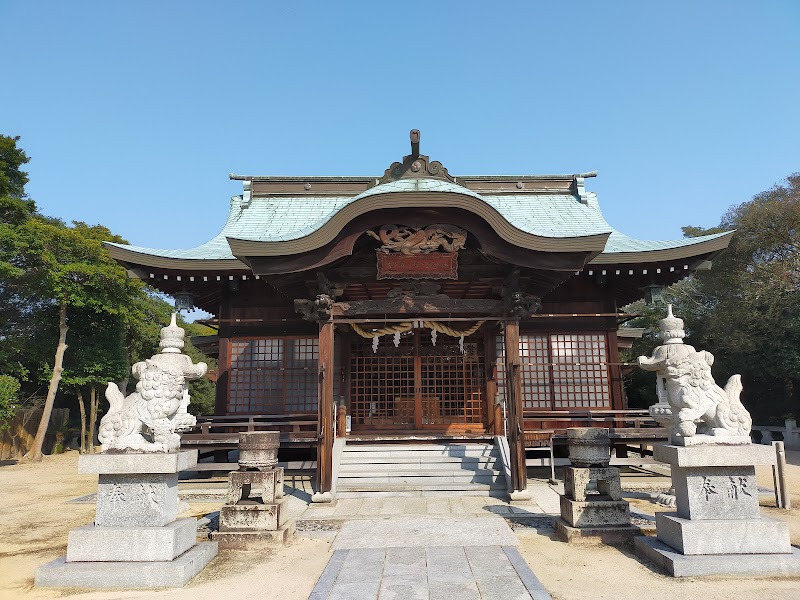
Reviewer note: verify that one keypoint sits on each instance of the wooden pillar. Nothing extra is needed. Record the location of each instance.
(494, 412)
(224, 359)
(615, 372)
(325, 407)
(516, 428)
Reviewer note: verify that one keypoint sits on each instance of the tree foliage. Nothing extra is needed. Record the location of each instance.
(57, 278)
(746, 309)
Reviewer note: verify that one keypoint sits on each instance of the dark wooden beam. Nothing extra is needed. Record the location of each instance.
(514, 412)
(224, 361)
(417, 305)
(325, 407)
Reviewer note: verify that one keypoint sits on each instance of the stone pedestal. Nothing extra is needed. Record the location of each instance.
(593, 518)
(592, 508)
(254, 513)
(717, 528)
(136, 540)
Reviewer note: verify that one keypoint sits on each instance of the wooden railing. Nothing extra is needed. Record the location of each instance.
(562, 419)
(631, 426)
(221, 432)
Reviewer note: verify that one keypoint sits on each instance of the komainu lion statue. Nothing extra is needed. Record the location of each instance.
(148, 419)
(150, 410)
(684, 379)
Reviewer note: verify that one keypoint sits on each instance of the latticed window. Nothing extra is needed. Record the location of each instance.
(273, 375)
(560, 370)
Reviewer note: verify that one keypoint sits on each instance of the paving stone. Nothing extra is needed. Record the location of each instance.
(398, 589)
(438, 506)
(347, 507)
(503, 588)
(456, 505)
(425, 531)
(529, 580)
(453, 591)
(416, 506)
(405, 561)
(489, 562)
(362, 565)
(355, 590)
(327, 580)
(393, 506)
(448, 565)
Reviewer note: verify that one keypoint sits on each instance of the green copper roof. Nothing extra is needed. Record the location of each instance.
(547, 215)
(619, 242)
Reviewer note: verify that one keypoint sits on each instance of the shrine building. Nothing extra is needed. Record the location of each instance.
(421, 302)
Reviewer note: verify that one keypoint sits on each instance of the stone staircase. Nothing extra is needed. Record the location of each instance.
(420, 469)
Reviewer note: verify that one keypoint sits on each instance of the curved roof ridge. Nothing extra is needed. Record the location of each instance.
(216, 248)
(621, 248)
(619, 242)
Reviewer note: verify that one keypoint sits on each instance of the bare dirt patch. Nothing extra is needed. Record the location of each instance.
(37, 514)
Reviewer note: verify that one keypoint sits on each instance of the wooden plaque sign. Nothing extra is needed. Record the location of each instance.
(436, 265)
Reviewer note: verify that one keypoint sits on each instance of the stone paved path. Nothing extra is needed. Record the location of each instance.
(429, 573)
(427, 557)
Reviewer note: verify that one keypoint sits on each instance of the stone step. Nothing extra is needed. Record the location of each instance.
(442, 449)
(418, 493)
(420, 469)
(455, 463)
(409, 478)
(419, 455)
(430, 487)
(415, 444)
(416, 469)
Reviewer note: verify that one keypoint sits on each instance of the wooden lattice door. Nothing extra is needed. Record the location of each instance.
(418, 385)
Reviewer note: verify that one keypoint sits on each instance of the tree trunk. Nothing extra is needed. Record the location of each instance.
(92, 416)
(35, 453)
(83, 422)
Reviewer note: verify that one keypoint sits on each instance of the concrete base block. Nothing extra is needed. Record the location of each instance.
(322, 497)
(126, 575)
(134, 463)
(752, 536)
(242, 540)
(713, 440)
(676, 564)
(520, 496)
(576, 482)
(243, 485)
(716, 492)
(600, 513)
(136, 544)
(714, 456)
(590, 536)
(252, 517)
(136, 500)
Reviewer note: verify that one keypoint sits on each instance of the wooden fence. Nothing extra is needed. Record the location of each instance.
(18, 438)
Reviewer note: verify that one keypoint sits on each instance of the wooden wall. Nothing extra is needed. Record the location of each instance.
(18, 438)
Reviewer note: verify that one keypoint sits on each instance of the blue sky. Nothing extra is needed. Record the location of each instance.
(135, 113)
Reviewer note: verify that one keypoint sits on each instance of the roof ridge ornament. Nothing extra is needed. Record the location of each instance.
(416, 166)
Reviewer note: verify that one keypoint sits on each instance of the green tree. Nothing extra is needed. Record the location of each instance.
(9, 388)
(746, 309)
(68, 268)
(98, 356)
